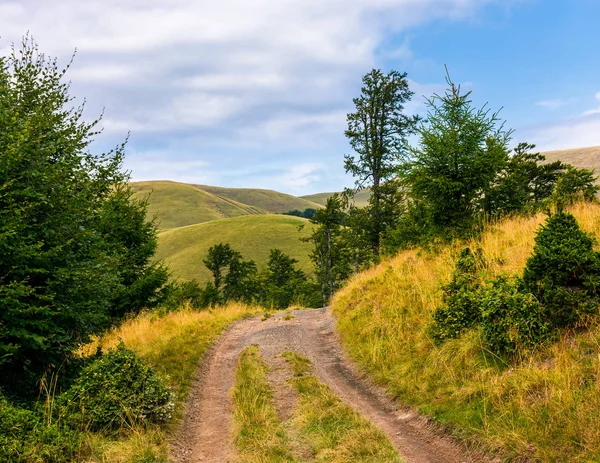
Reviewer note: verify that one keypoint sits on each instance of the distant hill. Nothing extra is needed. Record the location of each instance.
(588, 158)
(179, 204)
(360, 199)
(268, 200)
(184, 248)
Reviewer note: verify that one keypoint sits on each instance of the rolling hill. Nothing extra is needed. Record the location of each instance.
(184, 248)
(588, 158)
(268, 200)
(360, 199)
(179, 204)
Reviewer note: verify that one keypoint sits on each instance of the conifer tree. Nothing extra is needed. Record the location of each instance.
(461, 150)
(378, 132)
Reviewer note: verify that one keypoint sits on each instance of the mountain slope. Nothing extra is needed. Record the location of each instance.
(539, 407)
(179, 204)
(588, 158)
(184, 248)
(269, 200)
(360, 199)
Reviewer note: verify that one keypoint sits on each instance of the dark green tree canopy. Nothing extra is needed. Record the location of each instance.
(378, 133)
(75, 248)
(461, 150)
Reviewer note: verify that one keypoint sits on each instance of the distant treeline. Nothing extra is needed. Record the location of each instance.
(277, 286)
(308, 213)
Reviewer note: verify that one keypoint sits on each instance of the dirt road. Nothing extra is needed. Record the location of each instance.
(205, 435)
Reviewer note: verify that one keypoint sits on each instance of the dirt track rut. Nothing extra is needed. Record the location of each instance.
(205, 436)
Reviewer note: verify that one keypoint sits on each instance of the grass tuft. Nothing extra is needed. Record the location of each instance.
(335, 432)
(259, 434)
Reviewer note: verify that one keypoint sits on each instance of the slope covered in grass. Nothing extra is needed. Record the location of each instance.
(360, 199)
(179, 204)
(588, 158)
(183, 249)
(544, 406)
(173, 345)
(268, 200)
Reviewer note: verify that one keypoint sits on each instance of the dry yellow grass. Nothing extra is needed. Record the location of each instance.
(545, 406)
(172, 344)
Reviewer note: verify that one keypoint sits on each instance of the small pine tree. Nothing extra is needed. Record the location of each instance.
(564, 270)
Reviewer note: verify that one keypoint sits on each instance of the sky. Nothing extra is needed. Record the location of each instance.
(254, 93)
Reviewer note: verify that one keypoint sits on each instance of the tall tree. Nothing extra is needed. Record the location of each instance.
(331, 255)
(378, 132)
(460, 153)
(525, 183)
(283, 281)
(75, 249)
(217, 260)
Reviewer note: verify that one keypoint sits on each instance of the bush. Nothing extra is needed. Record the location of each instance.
(461, 305)
(117, 389)
(564, 270)
(26, 438)
(512, 319)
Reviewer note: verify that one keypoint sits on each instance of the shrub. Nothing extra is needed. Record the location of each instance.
(26, 438)
(117, 389)
(564, 270)
(461, 306)
(180, 293)
(511, 317)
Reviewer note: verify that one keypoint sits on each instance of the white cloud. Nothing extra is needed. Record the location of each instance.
(552, 104)
(595, 110)
(576, 133)
(233, 72)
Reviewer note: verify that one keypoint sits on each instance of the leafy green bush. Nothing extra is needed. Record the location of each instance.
(564, 270)
(25, 437)
(461, 305)
(511, 317)
(117, 389)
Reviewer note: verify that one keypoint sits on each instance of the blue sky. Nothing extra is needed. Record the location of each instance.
(254, 93)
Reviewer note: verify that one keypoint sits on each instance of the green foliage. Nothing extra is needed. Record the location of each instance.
(331, 254)
(461, 309)
(284, 284)
(178, 294)
(575, 185)
(308, 213)
(29, 437)
(564, 270)
(229, 268)
(378, 132)
(512, 318)
(524, 185)
(75, 249)
(461, 151)
(119, 390)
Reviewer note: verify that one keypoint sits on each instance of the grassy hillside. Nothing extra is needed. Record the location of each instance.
(253, 235)
(543, 407)
(361, 198)
(179, 204)
(173, 345)
(268, 200)
(588, 158)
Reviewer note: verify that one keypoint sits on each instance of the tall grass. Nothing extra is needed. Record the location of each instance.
(172, 344)
(544, 406)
